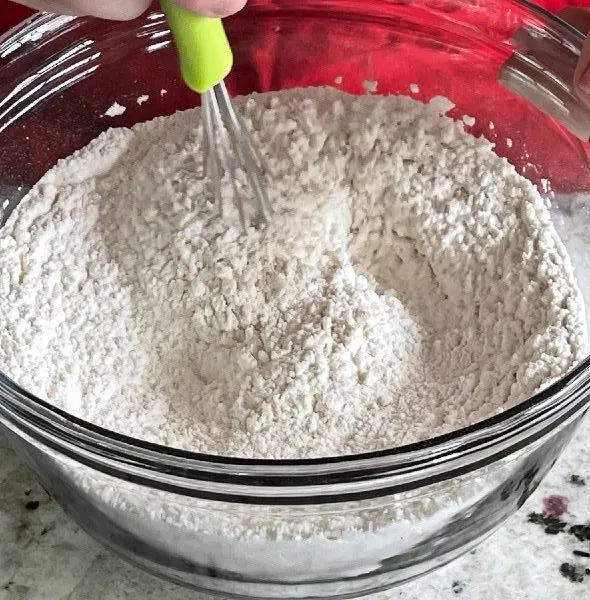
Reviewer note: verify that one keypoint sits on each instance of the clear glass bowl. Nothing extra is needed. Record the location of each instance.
(356, 524)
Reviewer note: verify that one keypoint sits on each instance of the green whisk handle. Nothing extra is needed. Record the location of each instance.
(205, 54)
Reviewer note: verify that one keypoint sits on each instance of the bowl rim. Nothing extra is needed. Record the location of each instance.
(300, 481)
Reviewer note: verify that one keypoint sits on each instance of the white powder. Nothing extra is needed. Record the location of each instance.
(441, 105)
(370, 86)
(410, 283)
(115, 110)
(339, 539)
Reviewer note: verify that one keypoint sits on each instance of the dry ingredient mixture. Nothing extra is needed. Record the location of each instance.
(410, 283)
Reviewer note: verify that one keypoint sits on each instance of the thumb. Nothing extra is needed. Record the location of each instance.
(107, 9)
(213, 8)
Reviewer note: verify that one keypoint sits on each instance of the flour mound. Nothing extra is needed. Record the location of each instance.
(410, 283)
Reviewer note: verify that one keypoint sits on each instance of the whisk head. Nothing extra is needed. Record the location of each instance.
(229, 149)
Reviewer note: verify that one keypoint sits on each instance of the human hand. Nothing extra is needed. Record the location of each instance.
(129, 9)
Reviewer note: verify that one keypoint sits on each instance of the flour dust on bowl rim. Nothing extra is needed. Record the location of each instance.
(317, 528)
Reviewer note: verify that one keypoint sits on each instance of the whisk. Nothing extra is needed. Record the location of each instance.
(205, 61)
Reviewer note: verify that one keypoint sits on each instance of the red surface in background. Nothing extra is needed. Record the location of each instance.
(11, 13)
(559, 161)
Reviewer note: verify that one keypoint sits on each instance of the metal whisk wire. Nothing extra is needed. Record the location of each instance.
(206, 59)
(227, 149)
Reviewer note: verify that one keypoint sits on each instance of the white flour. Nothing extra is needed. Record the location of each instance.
(115, 110)
(411, 283)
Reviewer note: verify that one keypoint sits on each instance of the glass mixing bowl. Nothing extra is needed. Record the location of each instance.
(324, 528)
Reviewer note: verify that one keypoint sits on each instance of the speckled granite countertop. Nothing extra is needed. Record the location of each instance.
(45, 556)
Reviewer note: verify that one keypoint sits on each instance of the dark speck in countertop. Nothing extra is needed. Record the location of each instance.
(582, 532)
(458, 587)
(47, 529)
(553, 525)
(577, 480)
(572, 572)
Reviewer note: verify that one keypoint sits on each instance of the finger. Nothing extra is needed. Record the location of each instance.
(105, 9)
(213, 8)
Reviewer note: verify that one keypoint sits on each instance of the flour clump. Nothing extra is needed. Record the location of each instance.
(410, 283)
